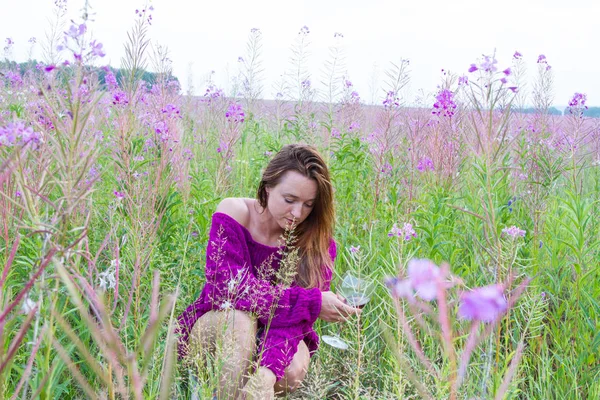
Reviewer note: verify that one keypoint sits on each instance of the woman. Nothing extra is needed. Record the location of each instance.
(261, 318)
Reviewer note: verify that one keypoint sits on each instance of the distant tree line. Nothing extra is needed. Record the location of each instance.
(23, 67)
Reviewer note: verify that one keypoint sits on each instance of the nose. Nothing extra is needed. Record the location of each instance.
(297, 211)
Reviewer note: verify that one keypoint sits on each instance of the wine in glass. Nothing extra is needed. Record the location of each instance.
(357, 292)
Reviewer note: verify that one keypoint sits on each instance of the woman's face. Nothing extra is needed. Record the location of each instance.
(292, 199)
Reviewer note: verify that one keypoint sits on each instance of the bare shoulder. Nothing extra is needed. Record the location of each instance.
(236, 208)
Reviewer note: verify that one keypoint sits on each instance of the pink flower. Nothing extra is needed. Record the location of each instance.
(482, 304)
(407, 232)
(354, 249)
(423, 275)
(513, 231)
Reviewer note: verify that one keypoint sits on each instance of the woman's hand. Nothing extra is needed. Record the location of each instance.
(335, 309)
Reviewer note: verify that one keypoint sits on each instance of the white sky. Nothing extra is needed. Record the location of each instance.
(434, 34)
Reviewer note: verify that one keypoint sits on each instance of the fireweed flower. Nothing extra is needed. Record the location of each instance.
(425, 164)
(482, 304)
(391, 100)
(407, 231)
(489, 64)
(354, 125)
(577, 104)
(96, 49)
(444, 105)
(423, 275)
(76, 31)
(235, 113)
(513, 231)
(16, 134)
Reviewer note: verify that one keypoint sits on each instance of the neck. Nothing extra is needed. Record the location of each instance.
(266, 225)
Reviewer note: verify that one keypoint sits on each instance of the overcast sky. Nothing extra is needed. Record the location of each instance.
(210, 35)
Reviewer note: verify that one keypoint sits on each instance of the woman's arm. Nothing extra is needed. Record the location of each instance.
(234, 286)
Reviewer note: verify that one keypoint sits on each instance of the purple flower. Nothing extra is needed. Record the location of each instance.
(335, 133)
(407, 232)
(354, 249)
(425, 164)
(353, 126)
(503, 81)
(97, 49)
(235, 113)
(391, 101)
(463, 80)
(17, 194)
(119, 195)
(513, 231)
(15, 133)
(482, 304)
(337, 34)
(171, 111)
(304, 31)
(542, 59)
(423, 275)
(577, 104)
(76, 30)
(400, 288)
(445, 105)
(473, 68)
(49, 68)
(514, 89)
(517, 55)
(507, 72)
(489, 64)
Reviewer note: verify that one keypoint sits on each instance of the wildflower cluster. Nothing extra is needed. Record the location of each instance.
(425, 164)
(16, 134)
(425, 281)
(212, 93)
(444, 105)
(577, 104)
(514, 232)
(391, 100)
(407, 232)
(235, 113)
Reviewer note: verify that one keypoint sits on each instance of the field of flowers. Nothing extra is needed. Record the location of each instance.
(108, 185)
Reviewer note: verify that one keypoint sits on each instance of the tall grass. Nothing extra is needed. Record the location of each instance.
(107, 187)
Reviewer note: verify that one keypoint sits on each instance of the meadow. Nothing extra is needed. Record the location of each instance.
(108, 184)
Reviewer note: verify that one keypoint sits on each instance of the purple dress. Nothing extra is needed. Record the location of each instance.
(240, 275)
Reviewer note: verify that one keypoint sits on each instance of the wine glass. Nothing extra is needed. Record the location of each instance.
(357, 292)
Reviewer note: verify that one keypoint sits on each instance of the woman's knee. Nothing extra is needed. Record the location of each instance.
(234, 327)
(296, 371)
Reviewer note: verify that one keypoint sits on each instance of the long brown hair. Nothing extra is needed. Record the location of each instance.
(314, 233)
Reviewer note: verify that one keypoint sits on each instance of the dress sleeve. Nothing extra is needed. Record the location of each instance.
(233, 285)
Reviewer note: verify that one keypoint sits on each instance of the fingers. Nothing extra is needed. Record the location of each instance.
(344, 311)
